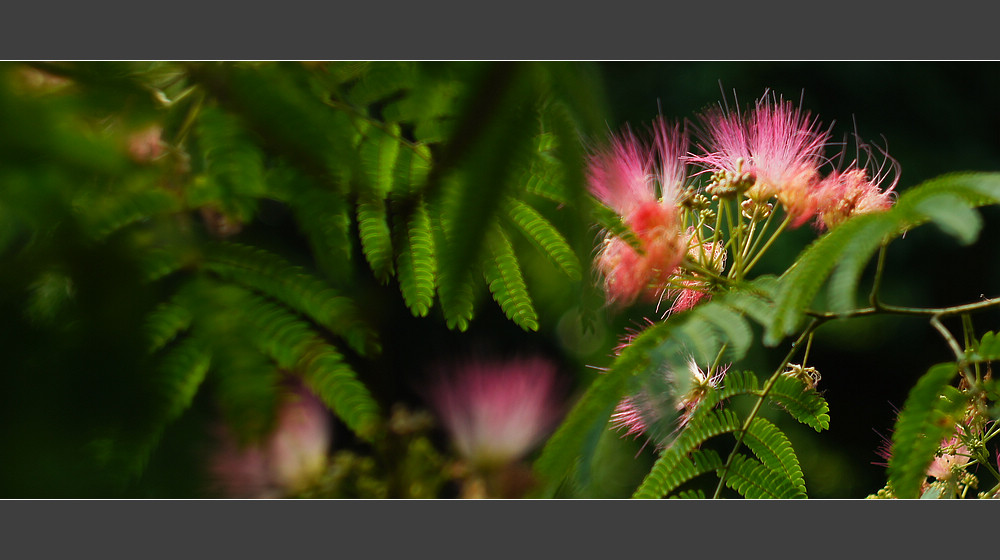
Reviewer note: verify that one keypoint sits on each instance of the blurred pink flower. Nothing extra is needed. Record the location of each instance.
(635, 414)
(146, 145)
(290, 457)
(952, 454)
(621, 176)
(496, 412)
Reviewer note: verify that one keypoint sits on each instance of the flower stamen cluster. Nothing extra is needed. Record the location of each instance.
(753, 163)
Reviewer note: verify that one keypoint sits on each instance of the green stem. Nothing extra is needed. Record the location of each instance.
(735, 270)
(913, 311)
(877, 283)
(960, 358)
(777, 232)
(763, 230)
(347, 107)
(750, 241)
(760, 402)
(694, 266)
(718, 359)
(969, 337)
(737, 234)
(718, 223)
(189, 119)
(805, 355)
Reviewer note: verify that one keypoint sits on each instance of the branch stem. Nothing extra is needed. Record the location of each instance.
(760, 401)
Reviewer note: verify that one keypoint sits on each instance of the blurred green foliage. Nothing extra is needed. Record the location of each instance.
(180, 241)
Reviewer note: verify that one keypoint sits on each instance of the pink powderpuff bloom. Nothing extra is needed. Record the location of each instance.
(496, 412)
(952, 454)
(622, 177)
(637, 413)
(146, 145)
(779, 144)
(288, 459)
(857, 190)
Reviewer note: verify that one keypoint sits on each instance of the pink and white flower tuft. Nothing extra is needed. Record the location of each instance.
(856, 190)
(778, 144)
(496, 412)
(621, 177)
(292, 456)
(636, 414)
(710, 255)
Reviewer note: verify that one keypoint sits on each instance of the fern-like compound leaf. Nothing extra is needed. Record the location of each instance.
(925, 420)
(181, 372)
(810, 271)
(580, 431)
(292, 344)
(805, 404)
(416, 263)
(753, 480)
(381, 80)
(544, 235)
(271, 275)
(324, 218)
(690, 495)
(774, 451)
(702, 425)
(376, 239)
(506, 283)
(166, 322)
(455, 290)
(110, 214)
(413, 164)
(736, 383)
(676, 469)
(492, 139)
(946, 201)
(378, 153)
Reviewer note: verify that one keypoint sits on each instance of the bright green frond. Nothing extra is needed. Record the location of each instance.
(804, 404)
(503, 273)
(772, 447)
(753, 480)
(544, 235)
(416, 263)
(673, 469)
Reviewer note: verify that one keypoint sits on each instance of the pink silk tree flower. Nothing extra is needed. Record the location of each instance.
(711, 256)
(852, 192)
(622, 177)
(778, 144)
(787, 151)
(953, 456)
(637, 414)
(496, 412)
(289, 458)
(146, 145)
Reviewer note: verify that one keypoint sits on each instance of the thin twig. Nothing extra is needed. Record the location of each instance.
(760, 401)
